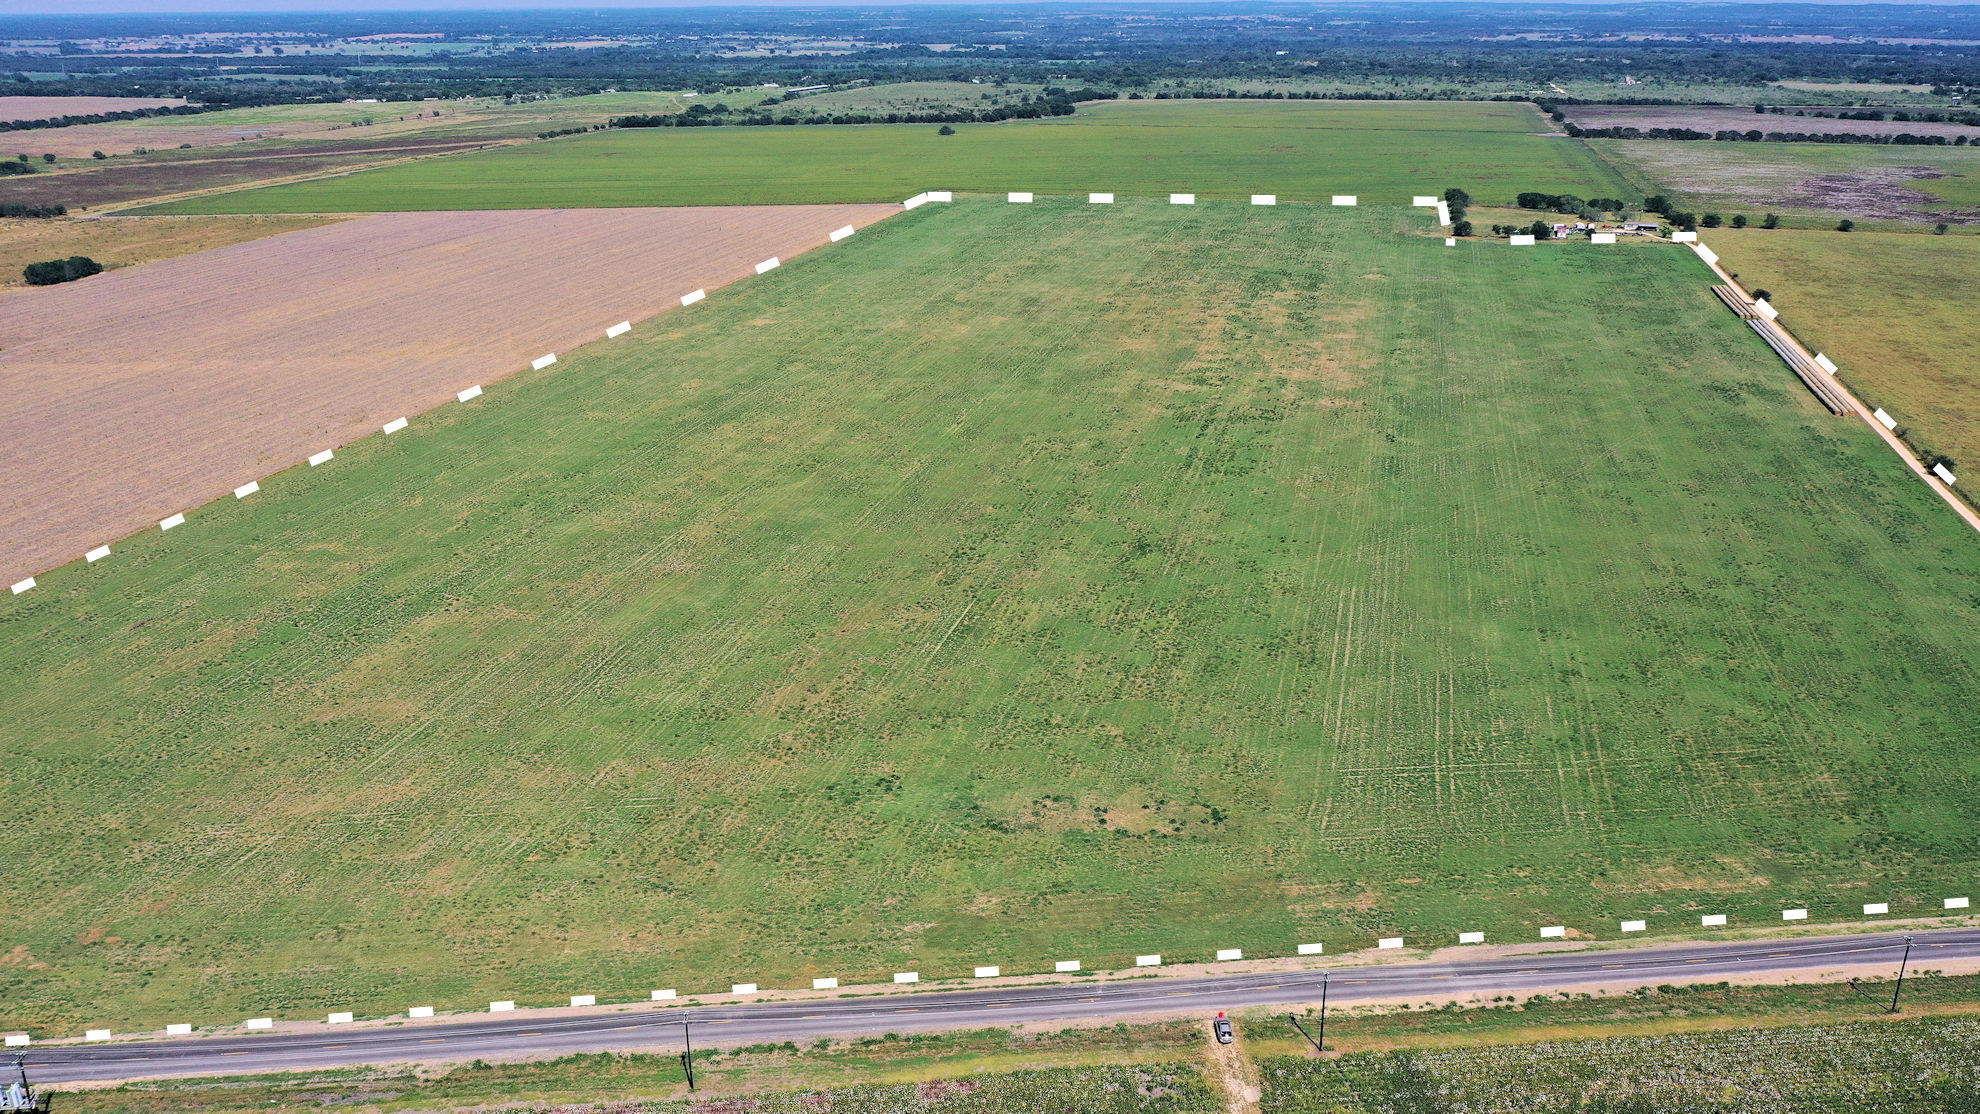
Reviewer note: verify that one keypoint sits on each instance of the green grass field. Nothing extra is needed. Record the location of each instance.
(1885, 306)
(1008, 584)
(1383, 151)
(1808, 184)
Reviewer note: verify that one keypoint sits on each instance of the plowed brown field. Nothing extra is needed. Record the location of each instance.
(138, 393)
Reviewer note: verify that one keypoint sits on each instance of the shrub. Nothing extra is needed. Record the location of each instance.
(1542, 230)
(11, 167)
(98, 155)
(1739, 220)
(50, 157)
(1845, 225)
(1772, 221)
(1939, 229)
(60, 270)
(1711, 220)
(1461, 228)
(945, 130)
(1763, 293)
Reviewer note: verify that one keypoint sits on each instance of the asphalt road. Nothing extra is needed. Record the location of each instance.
(659, 1028)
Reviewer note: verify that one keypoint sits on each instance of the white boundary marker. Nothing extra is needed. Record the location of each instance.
(1889, 422)
(1450, 241)
(1684, 237)
(1876, 908)
(1705, 253)
(907, 976)
(1521, 239)
(1182, 199)
(1794, 914)
(663, 996)
(1601, 237)
(584, 999)
(1826, 364)
(619, 330)
(1425, 200)
(1099, 199)
(1264, 199)
(940, 195)
(825, 984)
(1713, 920)
(541, 362)
(1311, 949)
(505, 1006)
(1444, 213)
(1766, 308)
(179, 1030)
(1553, 932)
(1956, 903)
(97, 554)
(1346, 199)
(1940, 471)
(769, 265)
(915, 202)
(1148, 961)
(97, 1035)
(1634, 926)
(1018, 197)
(693, 296)
(174, 520)
(1066, 966)
(1389, 943)
(742, 988)
(471, 392)
(323, 457)
(247, 489)
(420, 1011)
(989, 972)
(1471, 938)
(841, 233)
(260, 1023)
(394, 426)
(341, 1018)
(17, 1040)
(1225, 955)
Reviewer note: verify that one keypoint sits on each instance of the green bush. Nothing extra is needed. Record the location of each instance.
(60, 270)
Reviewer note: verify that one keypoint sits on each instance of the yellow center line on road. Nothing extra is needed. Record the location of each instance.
(809, 1016)
(1697, 961)
(1089, 999)
(1274, 986)
(1443, 976)
(907, 1011)
(621, 1028)
(1606, 966)
(243, 1052)
(328, 1047)
(1780, 955)
(1357, 982)
(730, 1021)
(432, 1040)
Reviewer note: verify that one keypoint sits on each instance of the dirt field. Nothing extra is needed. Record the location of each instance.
(47, 108)
(135, 394)
(1717, 119)
(128, 241)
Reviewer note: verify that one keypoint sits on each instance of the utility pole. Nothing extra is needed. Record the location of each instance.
(687, 1056)
(1324, 976)
(1900, 982)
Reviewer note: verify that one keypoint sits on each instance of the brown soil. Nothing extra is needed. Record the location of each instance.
(138, 393)
(1878, 193)
(48, 108)
(1716, 119)
(128, 241)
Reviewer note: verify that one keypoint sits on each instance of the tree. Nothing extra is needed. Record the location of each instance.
(1457, 198)
(1939, 229)
(1845, 225)
(1461, 228)
(48, 157)
(1763, 294)
(1711, 220)
(1542, 230)
(60, 270)
(1739, 220)
(946, 130)
(1772, 221)
(98, 155)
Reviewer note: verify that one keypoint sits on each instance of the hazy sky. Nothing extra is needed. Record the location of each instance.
(79, 7)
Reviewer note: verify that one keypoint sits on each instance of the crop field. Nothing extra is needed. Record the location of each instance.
(1384, 151)
(127, 241)
(1008, 584)
(180, 381)
(1879, 304)
(1816, 183)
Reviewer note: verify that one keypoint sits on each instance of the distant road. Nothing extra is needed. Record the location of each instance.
(659, 1029)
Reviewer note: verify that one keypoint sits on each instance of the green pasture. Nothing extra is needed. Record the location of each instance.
(1812, 184)
(1384, 152)
(1003, 585)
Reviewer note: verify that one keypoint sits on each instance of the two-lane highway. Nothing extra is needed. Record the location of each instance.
(659, 1028)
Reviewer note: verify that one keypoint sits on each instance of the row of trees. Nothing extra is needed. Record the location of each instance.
(1729, 135)
(60, 270)
(1568, 203)
(108, 117)
(1060, 103)
(32, 212)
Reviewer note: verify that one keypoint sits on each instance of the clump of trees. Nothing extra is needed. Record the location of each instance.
(1567, 203)
(60, 270)
(16, 166)
(1661, 205)
(1051, 102)
(33, 212)
(1458, 202)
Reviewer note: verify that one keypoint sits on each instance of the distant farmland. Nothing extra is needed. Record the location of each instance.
(1297, 149)
(1009, 583)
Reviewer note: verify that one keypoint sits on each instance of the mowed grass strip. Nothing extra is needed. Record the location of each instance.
(1384, 152)
(1885, 307)
(1008, 584)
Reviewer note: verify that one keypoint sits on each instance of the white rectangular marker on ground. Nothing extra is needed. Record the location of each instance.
(915, 202)
(663, 995)
(394, 426)
(1312, 949)
(1705, 253)
(1443, 214)
(323, 457)
(693, 296)
(769, 265)
(1826, 364)
(23, 585)
(179, 1030)
(541, 362)
(1018, 197)
(1889, 422)
(1634, 926)
(1099, 199)
(1956, 903)
(1182, 199)
(1553, 931)
(1712, 920)
(1601, 237)
(1424, 199)
(502, 1007)
(989, 972)
(619, 330)
(1941, 471)
(907, 976)
(420, 1011)
(343, 1018)
(471, 392)
(1450, 241)
(1766, 308)
(1521, 240)
(96, 1035)
(247, 489)
(825, 984)
(1346, 199)
(841, 233)
(1794, 914)
(1471, 938)
(168, 523)
(1264, 199)
(1876, 908)
(261, 1023)
(941, 195)
(1148, 961)
(1064, 966)
(97, 554)
(1224, 955)
(584, 999)
(17, 1040)
(1684, 237)
(1389, 943)
(743, 988)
